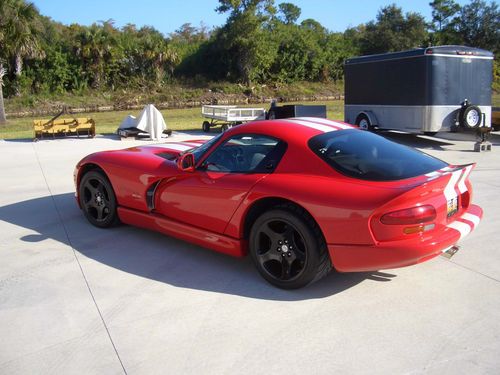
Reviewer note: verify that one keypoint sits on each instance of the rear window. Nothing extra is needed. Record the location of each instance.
(367, 156)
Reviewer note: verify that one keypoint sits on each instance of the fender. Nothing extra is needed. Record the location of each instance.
(371, 117)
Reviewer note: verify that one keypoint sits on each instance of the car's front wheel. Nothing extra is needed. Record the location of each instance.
(288, 248)
(98, 200)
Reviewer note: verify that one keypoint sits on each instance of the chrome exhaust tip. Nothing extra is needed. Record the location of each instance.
(449, 252)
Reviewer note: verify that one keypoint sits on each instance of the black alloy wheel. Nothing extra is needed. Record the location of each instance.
(98, 200)
(288, 249)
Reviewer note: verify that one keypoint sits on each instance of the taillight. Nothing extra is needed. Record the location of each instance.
(465, 199)
(414, 215)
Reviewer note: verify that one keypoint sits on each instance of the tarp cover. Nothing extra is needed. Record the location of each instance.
(128, 122)
(150, 121)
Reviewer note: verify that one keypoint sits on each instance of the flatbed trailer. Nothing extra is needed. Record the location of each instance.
(227, 116)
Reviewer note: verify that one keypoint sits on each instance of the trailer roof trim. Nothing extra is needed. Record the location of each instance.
(441, 51)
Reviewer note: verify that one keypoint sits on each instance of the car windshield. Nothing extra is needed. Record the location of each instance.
(199, 151)
(367, 156)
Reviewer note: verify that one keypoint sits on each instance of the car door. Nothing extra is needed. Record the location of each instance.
(208, 196)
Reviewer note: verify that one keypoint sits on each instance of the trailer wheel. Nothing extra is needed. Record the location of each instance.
(205, 126)
(363, 122)
(470, 117)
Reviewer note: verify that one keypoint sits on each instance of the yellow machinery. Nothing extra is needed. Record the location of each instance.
(63, 126)
(495, 118)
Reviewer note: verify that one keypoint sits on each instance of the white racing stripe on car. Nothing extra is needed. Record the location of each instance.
(325, 121)
(172, 146)
(449, 190)
(461, 184)
(433, 174)
(439, 172)
(472, 218)
(462, 227)
(192, 144)
(323, 128)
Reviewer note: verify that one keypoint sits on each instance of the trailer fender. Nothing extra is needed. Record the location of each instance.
(370, 116)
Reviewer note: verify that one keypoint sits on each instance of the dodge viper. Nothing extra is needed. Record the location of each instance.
(300, 196)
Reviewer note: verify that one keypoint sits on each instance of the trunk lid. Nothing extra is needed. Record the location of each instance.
(447, 190)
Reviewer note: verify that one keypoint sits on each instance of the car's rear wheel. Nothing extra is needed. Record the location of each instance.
(98, 200)
(288, 248)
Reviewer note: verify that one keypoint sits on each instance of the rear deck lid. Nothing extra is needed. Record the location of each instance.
(435, 203)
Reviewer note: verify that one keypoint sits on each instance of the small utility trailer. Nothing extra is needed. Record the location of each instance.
(227, 116)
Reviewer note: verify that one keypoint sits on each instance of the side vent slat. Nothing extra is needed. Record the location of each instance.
(150, 196)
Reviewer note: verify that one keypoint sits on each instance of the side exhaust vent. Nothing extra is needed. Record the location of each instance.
(150, 195)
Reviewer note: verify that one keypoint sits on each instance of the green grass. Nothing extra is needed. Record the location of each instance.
(176, 119)
(495, 100)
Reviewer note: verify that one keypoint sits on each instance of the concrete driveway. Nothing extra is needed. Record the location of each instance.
(75, 299)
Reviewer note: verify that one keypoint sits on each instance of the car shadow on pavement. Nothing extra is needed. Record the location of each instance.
(158, 257)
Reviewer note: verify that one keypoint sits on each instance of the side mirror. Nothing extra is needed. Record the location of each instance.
(186, 162)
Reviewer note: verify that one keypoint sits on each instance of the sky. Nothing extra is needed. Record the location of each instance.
(168, 15)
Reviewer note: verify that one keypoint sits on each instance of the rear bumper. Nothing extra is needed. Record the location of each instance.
(394, 254)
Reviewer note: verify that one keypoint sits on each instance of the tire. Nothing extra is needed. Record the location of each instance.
(470, 117)
(287, 248)
(225, 127)
(205, 126)
(98, 200)
(431, 134)
(363, 122)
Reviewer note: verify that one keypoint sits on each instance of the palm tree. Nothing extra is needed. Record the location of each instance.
(94, 46)
(3, 119)
(157, 55)
(19, 36)
(3, 24)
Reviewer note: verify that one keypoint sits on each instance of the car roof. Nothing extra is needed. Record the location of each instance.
(288, 129)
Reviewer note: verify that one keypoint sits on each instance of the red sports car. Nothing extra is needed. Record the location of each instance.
(300, 195)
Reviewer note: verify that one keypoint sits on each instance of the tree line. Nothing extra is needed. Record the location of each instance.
(260, 42)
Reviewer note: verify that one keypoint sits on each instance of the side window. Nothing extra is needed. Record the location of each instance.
(246, 154)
